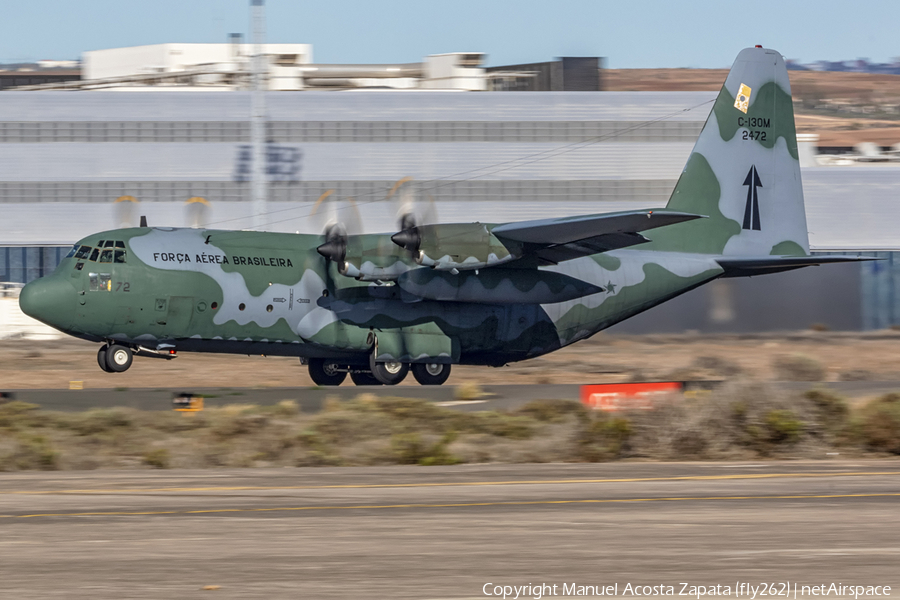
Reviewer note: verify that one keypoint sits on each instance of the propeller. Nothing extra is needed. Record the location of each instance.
(410, 212)
(338, 221)
(410, 215)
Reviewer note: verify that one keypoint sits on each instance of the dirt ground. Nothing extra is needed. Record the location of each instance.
(603, 358)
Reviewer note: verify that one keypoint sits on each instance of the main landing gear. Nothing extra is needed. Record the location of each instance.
(328, 373)
(388, 373)
(114, 358)
(431, 373)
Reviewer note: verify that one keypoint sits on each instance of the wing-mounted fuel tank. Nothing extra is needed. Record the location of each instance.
(456, 246)
(495, 286)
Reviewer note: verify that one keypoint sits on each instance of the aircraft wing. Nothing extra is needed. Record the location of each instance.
(557, 240)
(571, 229)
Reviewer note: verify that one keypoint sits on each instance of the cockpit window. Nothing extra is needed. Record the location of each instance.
(83, 252)
(109, 243)
(100, 244)
(120, 244)
(120, 256)
(94, 255)
(72, 251)
(106, 256)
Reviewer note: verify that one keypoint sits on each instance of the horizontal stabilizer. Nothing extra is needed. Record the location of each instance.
(747, 266)
(572, 229)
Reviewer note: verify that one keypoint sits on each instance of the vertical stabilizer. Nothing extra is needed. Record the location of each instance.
(744, 171)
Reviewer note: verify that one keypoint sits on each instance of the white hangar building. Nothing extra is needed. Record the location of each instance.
(75, 163)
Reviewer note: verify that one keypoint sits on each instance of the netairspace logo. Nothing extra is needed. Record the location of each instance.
(752, 591)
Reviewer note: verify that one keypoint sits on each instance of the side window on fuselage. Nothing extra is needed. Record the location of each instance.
(100, 282)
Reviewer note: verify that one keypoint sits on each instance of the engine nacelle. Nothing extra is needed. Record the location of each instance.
(456, 246)
(366, 257)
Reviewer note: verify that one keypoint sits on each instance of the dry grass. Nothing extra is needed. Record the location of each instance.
(738, 420)
(798, 367)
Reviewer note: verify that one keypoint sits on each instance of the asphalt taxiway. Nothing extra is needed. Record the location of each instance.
(445, 532)
(311, 400)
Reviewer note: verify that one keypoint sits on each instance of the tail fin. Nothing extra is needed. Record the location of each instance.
(744, 172)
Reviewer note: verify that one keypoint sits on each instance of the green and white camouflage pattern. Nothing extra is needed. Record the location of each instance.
(466, 295)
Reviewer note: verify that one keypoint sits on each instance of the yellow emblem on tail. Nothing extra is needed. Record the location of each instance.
(742, 102)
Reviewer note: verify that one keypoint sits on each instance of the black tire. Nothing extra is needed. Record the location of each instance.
(431, 373)
(360, 378)
(101, 358)
(323, 372)
(118, 358)
(388, 373)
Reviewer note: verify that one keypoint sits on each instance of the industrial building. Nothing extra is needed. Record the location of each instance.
(76, 163)
(285, 67)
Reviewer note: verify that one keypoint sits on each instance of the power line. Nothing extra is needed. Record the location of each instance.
(492, 169)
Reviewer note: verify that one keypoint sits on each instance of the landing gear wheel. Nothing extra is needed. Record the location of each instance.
(431, 373)
(388, 373)
(118, 358)
(101, 358)
(359, 378)
(324, 372)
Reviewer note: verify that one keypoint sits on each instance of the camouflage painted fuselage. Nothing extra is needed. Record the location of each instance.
(268, 293)
(458, 293)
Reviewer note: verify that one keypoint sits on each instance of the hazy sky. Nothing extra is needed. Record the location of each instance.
(630, 33)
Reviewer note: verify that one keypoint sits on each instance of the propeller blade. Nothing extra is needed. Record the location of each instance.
(429, 212)
(319, 216)
(412, 212)
(350, 217)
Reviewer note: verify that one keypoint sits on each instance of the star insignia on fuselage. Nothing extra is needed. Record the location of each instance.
(610, 288)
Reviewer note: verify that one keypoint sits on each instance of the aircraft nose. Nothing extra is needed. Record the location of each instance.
(50, 300)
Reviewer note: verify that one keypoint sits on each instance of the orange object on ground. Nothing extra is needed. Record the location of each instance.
(626, 396)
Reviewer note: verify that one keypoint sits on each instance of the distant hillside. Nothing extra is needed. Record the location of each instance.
(843, 108)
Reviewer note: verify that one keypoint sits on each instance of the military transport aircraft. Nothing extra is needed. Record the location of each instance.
(433, 295)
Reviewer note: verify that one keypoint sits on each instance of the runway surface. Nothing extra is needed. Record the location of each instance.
(311, 400)
(445, 532)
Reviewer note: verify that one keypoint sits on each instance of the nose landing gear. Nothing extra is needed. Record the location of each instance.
(101, 358)
(114, 358)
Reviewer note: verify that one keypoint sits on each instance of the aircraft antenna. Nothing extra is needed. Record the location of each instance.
(258, 117)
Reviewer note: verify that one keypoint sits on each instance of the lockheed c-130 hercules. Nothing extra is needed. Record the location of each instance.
(434, 295)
